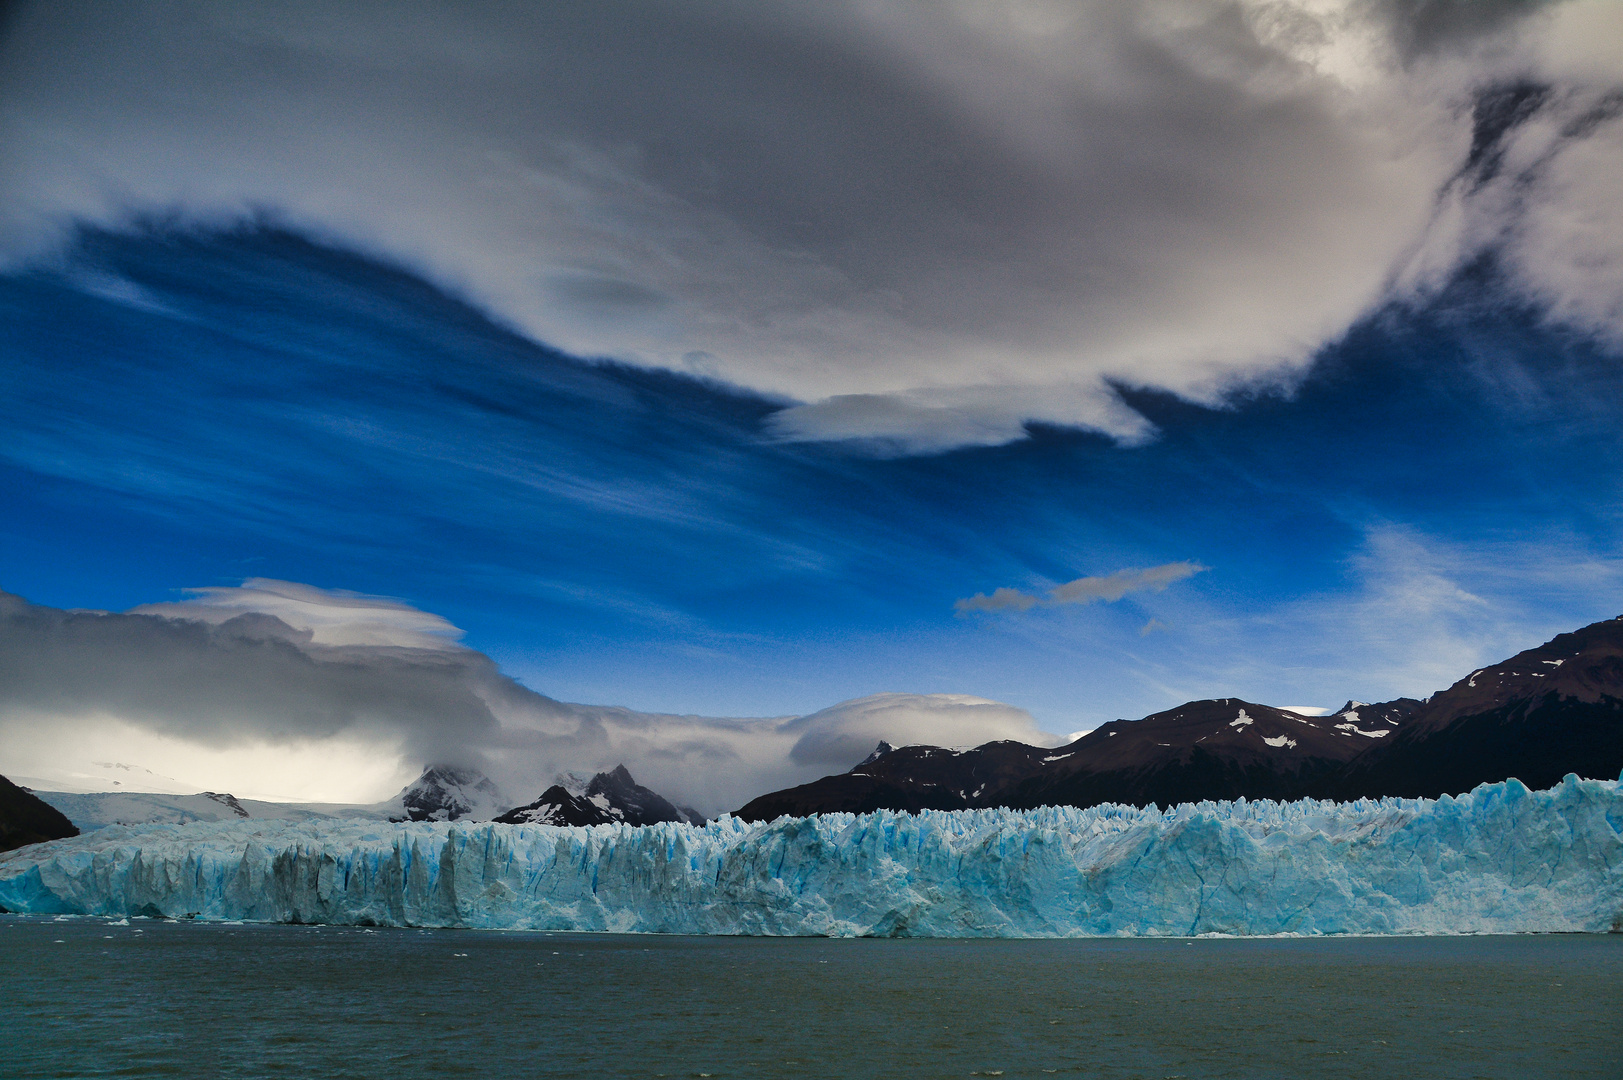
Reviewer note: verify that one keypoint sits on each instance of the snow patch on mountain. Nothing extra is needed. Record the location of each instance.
(575, 783)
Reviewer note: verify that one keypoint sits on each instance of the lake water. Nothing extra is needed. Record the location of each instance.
(85, 997)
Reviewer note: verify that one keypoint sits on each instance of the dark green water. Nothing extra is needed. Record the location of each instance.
(86, 998)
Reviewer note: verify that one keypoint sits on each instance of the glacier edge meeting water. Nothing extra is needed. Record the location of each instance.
(1500, 859)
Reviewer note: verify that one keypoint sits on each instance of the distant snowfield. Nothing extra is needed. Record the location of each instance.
(94, 810)
(1500, 859)
(104, 777)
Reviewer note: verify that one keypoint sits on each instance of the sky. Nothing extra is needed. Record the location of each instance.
(722, 388)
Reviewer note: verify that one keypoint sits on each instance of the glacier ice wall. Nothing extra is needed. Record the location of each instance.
(1500, 859)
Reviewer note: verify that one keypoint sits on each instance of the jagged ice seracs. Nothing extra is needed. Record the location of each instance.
(1500, 859)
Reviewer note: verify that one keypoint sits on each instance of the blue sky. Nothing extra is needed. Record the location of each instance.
(191, 409)
(704, 362)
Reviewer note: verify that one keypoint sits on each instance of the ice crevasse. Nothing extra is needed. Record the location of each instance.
(1500, 859)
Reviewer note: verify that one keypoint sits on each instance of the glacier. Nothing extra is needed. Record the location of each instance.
(1499, 859)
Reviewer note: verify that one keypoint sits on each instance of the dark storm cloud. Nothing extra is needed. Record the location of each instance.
(606, 295)
(930, 223)
(250, 677)
(1420, 27)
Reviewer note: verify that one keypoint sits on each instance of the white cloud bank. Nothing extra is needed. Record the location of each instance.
(929, 223)
(327, 616)
(280, 690)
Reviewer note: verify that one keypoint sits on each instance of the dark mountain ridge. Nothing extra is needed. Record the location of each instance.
(909, 778)
(609, 797)
(1221, 748)
(1541, 714)
(25, 818)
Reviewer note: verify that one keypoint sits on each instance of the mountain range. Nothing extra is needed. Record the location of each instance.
(607, 797)
(441, 793)
(1541, 714)
(1537, 716)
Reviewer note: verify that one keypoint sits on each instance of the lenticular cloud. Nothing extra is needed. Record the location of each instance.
(1500, 859)
(928, 224)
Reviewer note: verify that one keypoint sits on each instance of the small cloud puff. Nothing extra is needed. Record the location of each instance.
(1085, 590)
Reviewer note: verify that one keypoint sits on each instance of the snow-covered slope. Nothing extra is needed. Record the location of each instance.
(96, 809)
(1500, 859)
(84, 776)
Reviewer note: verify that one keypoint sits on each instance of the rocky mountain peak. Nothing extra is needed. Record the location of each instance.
(449, 793)
(878, 752)
(612, 796)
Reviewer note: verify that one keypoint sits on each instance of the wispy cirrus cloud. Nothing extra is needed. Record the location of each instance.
(1084, 590)
(601, 512)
